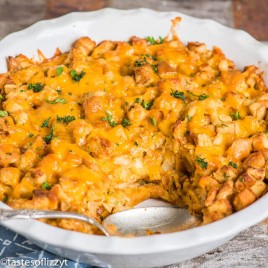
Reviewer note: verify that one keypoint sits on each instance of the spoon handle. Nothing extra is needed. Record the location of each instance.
(7, 214)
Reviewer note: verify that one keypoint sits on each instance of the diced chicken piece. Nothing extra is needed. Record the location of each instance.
(208, 182)
(9, 154)
(102, 48)
(225, 173)
(254, 160)
(80, 129)
(203, 140)
(10, 176)
(144, 74)
(243, 199)
(259, 188)
(211, 196)
(259, 142)
(98, 104)
(240, 149)
(100, 146)
(226, 190)
(78, 54)
(244, 181)
(217, 210)
(257, 110)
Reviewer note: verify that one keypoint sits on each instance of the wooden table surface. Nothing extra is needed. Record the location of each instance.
(249, 248)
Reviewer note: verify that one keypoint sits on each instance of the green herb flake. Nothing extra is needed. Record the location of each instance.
(137, 100)
(147, 105)
(202, 97)
(125, 122)
(31, 135)
(139, 63)
(59, 70)
(50, 136)
(37, 87)
(241, 179)
(5, 199)
(152, 41)
(45, 123)
(65, 119)
(177, 94)
(188, 118)
(109, 118)
(1, 97)
(153, 121)
(235, 116)
(232, 164)
(75, 76)
(58, 100)
(161, 40)
(3, 113)
(46, 185)
(136, 144)
(154, 67)
(201, 162)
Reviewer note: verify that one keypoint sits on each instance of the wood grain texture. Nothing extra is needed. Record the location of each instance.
(252, 16)
(219, 10)
(250, 248)
(18, 14)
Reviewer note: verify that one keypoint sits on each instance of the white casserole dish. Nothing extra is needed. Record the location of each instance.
(114, 24)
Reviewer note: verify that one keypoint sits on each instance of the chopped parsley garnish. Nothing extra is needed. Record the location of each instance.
(147, 105)
(37, 87)
(59, 70)
(150, 56)
(49, 136)
(109, 118)
(65, 119)
(45, 123)
(152, 41)
(5, 199)
(139, 63)
(177, 94)
(58, 100)
(137, 100)
(136, 144)
(31, 135)
(235, 116)
(1, 97)
(232, 164)
(75, 76)
(200, 97)
(188, 118)
(153, 121)
(3, 113)
(154, 67)
(46, 185)
(125, 122)
(201, 162)
(161, 40)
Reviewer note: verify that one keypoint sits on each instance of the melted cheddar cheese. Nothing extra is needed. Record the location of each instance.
(103, 127)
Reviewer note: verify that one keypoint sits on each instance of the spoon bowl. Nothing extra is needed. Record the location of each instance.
(149, 220)
(133, 222)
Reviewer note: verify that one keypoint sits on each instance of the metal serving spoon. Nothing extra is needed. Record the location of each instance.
(132, 222)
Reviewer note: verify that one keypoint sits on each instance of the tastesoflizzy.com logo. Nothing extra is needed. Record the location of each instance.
(9, 262)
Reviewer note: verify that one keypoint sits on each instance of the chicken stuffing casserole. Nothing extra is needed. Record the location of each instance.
(105, 126)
